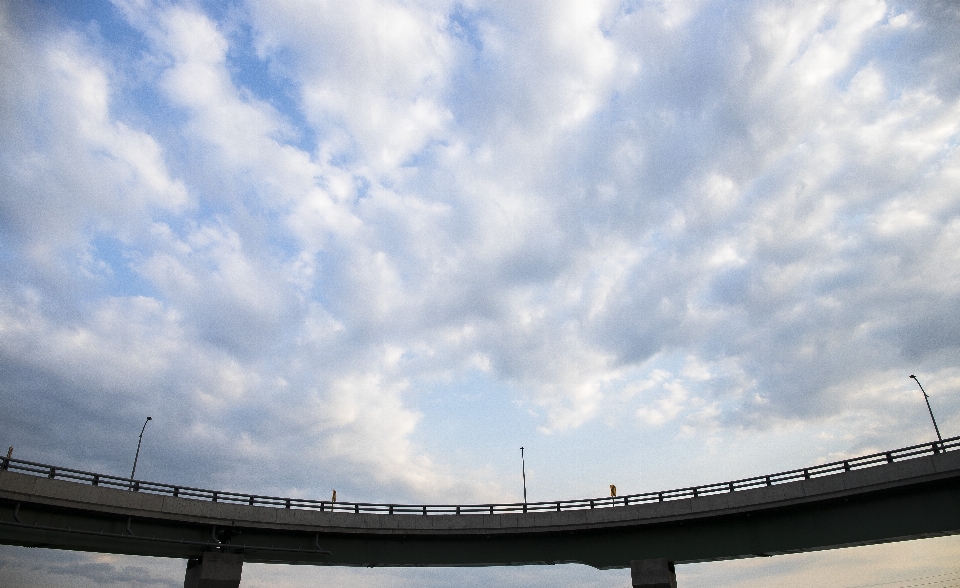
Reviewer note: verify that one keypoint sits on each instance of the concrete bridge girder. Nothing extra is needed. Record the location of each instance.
(903, 500)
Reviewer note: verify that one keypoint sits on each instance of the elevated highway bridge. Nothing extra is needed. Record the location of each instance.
(907, 493)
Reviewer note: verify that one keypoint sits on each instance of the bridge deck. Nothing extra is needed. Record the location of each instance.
(905, 499)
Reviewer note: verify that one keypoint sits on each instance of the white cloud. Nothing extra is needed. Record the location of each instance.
(69, 167)
(723, 220)
(374, 72)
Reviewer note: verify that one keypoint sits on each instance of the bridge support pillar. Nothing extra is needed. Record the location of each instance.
(214, 570)
(652, 573)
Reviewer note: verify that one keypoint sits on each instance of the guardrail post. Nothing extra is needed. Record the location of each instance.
(806, 474)
(53, 472)
(136, 485)
(287, 504)
(6, 464)
(96, 480)
(251, 501)
(356, 509)
(391, 509)
(889, 457)
(730, 485)
(176, 492)
(525, 506)
(491, 509)
(767, 480)
(694, 491)
(659, 496)
(626, 501)
(558, 507)
(424, 510)
(846, 466)
(458, 509)
(935, 448)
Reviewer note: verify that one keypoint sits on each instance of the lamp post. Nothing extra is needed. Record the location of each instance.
(137, 456)
(523, 465)
(927, 399)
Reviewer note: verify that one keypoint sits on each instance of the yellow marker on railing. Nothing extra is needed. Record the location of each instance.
(613, 491)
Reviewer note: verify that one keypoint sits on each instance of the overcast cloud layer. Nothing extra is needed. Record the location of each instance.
(379, 246)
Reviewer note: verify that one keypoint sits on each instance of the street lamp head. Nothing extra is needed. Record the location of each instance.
(151, 418)
(913, 376)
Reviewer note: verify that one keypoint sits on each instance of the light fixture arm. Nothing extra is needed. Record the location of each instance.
(926, 398)
(137, 456)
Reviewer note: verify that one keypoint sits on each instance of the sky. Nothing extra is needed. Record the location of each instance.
(379, 246)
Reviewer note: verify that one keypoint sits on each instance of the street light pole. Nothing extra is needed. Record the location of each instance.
(523, 464)
(927, 399)
(136, 457)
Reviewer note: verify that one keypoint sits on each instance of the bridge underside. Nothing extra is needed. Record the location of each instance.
(917, 510)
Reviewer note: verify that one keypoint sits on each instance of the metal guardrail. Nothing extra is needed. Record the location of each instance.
(54, 472)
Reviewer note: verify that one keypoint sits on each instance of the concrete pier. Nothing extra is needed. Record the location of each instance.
(214, 570)
(652, 573)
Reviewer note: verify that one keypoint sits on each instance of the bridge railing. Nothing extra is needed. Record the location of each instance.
(874, 459)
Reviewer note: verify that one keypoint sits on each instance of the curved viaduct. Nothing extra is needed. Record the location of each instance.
(903, 494)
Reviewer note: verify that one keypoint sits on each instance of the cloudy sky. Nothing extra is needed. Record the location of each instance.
(378, 246)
